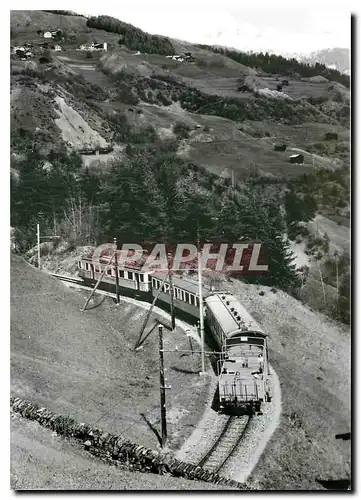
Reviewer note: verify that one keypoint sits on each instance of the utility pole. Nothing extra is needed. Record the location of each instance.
(163, 414)
(116, 269)
(160, 289)
(200, 293)
(171, 290)
(38, 238)
(232, 173)
(97, 283)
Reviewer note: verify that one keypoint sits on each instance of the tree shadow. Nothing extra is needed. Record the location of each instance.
(152, 428)
(182, 370)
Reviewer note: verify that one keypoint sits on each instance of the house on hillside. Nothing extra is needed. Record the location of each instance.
(57, 48)
(297, 158)
(100, 46)
(331, 136)
(94, 46)
(47, 34)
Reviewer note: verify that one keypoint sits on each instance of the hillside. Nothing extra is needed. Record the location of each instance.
(84, 364)
(47, 99)
(118, 133)
(79, 116)
(40, 461)
(312, 357)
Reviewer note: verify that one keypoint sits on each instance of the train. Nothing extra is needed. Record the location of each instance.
(243, 364)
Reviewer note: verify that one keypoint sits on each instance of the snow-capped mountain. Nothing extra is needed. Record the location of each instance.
(249, 39)
(336, 58)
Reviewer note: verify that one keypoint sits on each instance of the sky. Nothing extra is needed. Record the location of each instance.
(282, 29)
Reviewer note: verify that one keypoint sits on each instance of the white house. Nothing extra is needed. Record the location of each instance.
(47, 34)
(57, 48)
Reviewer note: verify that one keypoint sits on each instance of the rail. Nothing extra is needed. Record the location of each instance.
(226, 444)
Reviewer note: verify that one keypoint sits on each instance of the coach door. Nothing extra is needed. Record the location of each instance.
(137, 280)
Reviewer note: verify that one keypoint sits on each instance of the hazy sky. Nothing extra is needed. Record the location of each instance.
(284, 29)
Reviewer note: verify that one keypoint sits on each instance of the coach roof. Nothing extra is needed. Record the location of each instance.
(231, 314)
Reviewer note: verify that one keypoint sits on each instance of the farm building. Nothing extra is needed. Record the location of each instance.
(57, 48)
(94, 46)
(48, 34)
(296, 158)
(331, 136)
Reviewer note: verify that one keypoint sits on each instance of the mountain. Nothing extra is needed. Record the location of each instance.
(335, 58)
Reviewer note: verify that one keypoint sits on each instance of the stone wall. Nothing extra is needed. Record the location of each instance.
(116, 450)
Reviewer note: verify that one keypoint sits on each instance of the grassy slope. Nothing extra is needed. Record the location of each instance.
(312, 357)
(42, 461)
(84, 365)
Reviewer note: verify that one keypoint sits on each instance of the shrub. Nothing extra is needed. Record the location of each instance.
(181, 130)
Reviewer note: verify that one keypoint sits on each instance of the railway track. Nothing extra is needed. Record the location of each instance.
(78, 283)
(226, 444)
(68, 279)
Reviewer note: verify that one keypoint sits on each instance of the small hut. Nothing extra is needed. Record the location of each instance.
(296, 158)
(280, 147)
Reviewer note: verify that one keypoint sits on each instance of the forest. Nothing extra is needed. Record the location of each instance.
(134, 38)
(274, 64)
(151, 194)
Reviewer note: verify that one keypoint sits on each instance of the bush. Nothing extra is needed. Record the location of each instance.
(181, 130)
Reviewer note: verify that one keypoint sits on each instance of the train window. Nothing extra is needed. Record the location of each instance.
(121, 274)
(109, 272)
(130, 275)
(141, 278)
(186, 296)
(197, 301)
(180, 294)
(87, 266)
(155, 283)
(166, 288)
